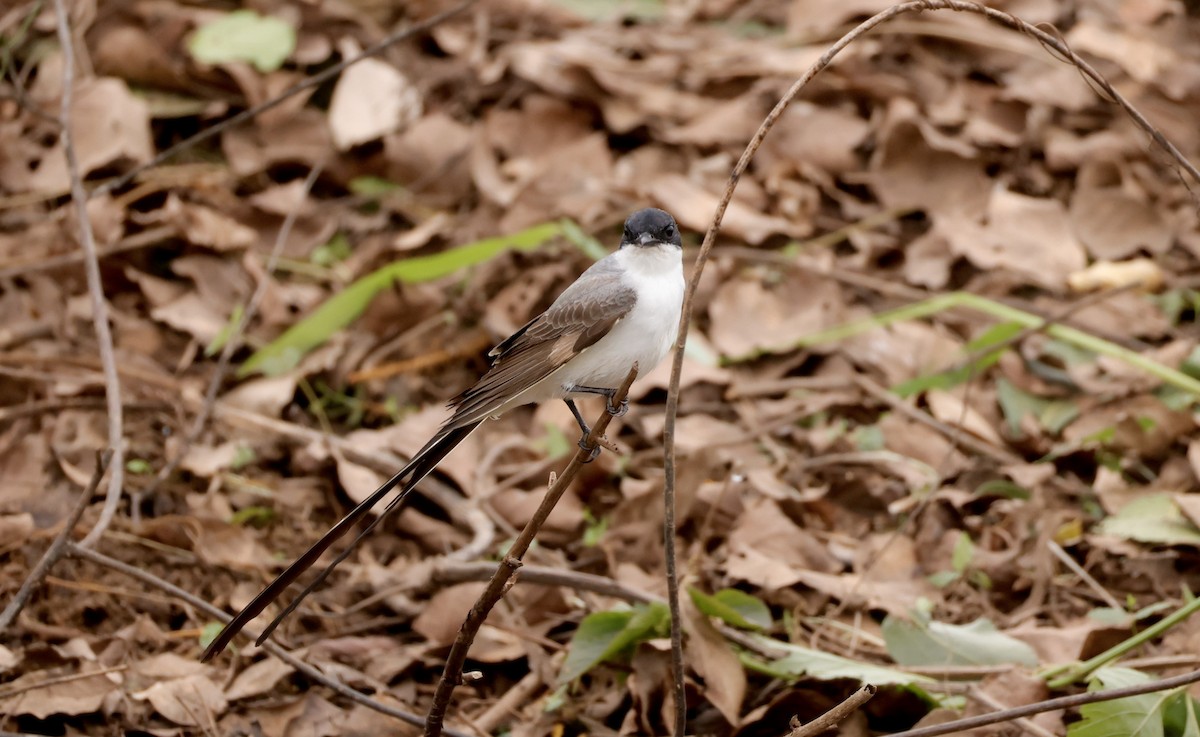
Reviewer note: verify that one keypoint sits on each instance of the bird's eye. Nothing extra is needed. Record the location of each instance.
(669, 231)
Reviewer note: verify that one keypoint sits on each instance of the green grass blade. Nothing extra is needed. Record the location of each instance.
(285, 352)
(999, 311)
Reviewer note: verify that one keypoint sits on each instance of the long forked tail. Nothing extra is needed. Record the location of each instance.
(417, 469)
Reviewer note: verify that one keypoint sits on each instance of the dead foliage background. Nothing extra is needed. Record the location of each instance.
(1018, 509)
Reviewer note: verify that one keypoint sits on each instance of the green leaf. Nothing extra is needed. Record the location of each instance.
(244, 35)
(964, 551)
(138, 466)
(1180, 717)
(1057, 414)
(372, 186)
(252, 516)
(285, 352)
(335, 251)
(1015, 404)
(604, 10)
(226, 331)
(1151, 519)
(243, 456)
(868, 437)
(733, 607)
(923, 641)
(591, 247)
(1132, 716)
(595, 530)
(556, 444)
(1002, 487)
(942, 579)
(993, 336)
(209, 633)
(603, 635)
(802, 661)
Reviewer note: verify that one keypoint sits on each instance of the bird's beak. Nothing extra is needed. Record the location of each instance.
(645, 239)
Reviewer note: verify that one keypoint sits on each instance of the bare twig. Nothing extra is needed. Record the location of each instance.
(233, 341)
(55, 551)
(311, 82)
(8, 693)
(987, 700)
(834, 716)
(273, 649)
(452, 675)
(104, 339)
(507, 706)
(31, 409)
(1065, 702)
(1084, 576)
(144, 239)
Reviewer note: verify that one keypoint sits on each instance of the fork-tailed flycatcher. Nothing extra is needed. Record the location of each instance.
(622, 310)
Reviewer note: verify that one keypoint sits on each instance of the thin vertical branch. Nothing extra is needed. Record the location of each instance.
(506, 572)
(87, 239)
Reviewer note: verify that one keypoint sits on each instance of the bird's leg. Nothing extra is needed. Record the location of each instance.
(585, 440)
(618, 410)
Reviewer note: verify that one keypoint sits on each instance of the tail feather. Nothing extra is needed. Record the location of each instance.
(417, 469)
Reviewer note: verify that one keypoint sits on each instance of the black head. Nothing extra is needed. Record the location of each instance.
(651, 227)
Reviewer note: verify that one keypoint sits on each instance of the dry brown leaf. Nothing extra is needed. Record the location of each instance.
(380, 657)
(267, 396)
(909, 149)
(371, 99)
(749, 315)
(950, 409)
(15, 530)
(8, 659)
(769, 550)
(258, 678)
(1030, 236)
(1114, 225)
(714, 659)
(74, 697)
(109, 125)
(692, 205)
(190, 701)
(219, 543)
(445, 612)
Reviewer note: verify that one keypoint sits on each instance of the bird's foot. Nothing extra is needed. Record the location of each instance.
(593, 449)
(618, 410)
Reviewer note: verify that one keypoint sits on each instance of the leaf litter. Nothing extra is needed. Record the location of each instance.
(946, 156)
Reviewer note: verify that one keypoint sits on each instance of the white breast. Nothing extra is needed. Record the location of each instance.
(645, 335)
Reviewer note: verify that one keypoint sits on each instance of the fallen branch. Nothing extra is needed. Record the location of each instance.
(834, 716)
(273, 649)
(87, 240)
(56, 549)
(503, 578)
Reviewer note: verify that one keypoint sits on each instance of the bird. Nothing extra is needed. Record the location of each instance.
(624, 309)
